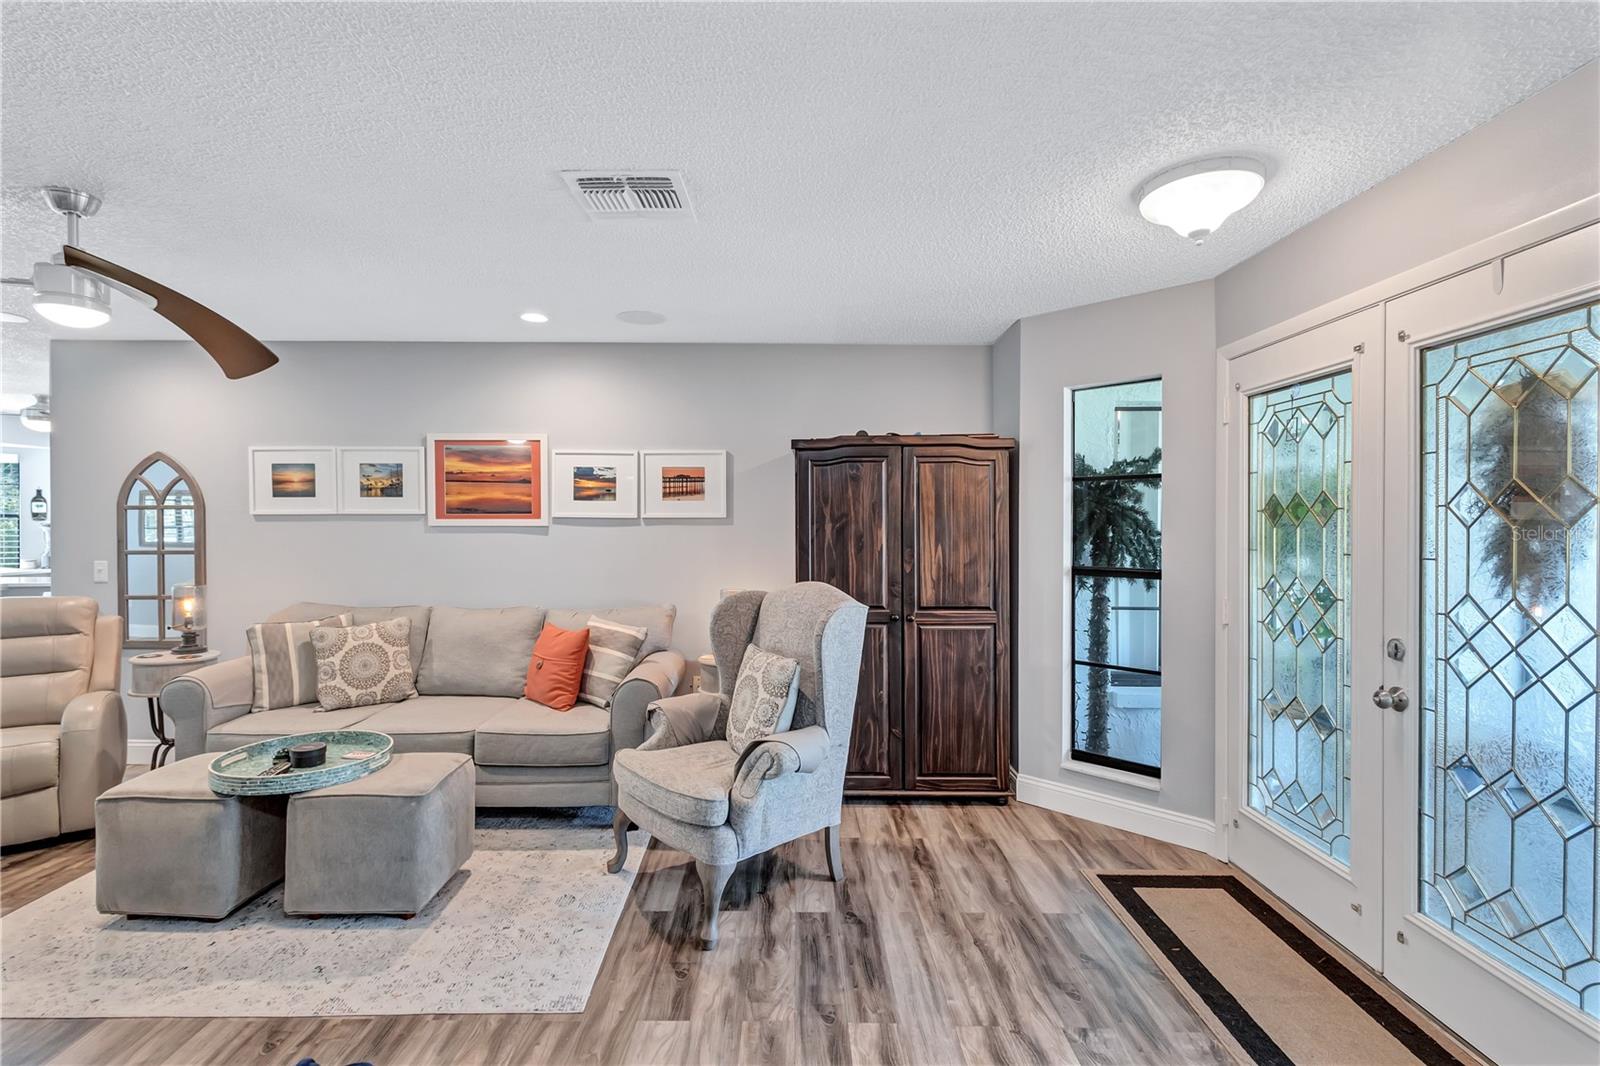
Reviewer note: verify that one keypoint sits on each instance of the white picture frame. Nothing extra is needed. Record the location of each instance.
(294, 480)
(382, 469)
(692, 497)
(441, 510)
(566, 465)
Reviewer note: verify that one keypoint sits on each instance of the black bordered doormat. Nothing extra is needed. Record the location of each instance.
(1269, 985)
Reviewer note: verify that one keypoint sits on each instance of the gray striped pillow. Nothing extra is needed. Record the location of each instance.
(283, 665)
(613, 649)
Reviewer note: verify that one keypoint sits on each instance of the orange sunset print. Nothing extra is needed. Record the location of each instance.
(483, 479)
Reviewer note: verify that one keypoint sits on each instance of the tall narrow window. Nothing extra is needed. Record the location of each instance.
(1115, 576)
(10, 510)
(162, 543)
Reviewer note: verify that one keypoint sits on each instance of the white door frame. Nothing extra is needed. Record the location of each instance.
(1346, 902)
(1478, 996)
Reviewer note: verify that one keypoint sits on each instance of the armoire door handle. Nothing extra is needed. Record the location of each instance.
(894, 618)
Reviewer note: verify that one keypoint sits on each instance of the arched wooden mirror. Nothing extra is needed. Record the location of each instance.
(161, 542)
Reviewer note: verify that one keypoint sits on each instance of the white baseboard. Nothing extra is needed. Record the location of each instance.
(1184, 830)
(139, 752)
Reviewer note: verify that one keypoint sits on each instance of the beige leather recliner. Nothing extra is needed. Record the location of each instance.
(63, 733)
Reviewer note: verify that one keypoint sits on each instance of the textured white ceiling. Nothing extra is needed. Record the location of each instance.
(862, 173)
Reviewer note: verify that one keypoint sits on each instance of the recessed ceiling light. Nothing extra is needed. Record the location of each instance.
(11, 316)
(534, 316)
(1194, 199)
(642, 318)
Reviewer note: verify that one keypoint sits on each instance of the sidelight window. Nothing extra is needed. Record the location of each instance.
(1114, 576)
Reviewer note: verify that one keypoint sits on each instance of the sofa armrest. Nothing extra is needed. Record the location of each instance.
(687, 719)
(200, 701)
(654, 677)
(94, 754)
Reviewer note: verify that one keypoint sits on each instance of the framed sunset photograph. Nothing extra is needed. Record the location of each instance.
(594, 484)
(684, 484)
(381, 481)
(293, 481)
(488, 479)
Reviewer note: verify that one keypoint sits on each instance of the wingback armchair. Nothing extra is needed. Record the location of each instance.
(688, 787)
(63, 734)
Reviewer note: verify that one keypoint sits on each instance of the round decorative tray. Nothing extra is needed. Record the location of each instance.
(352, 753)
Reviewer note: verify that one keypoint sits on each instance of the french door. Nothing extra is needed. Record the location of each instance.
(1440, 817)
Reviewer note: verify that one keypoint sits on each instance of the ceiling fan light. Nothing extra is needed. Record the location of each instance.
(70, 297)
(1193, 200)
(36, 417)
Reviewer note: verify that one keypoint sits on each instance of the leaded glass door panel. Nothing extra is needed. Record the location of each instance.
(1305, 455)
(1491, 563)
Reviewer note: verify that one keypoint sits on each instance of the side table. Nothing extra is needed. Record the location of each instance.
(146, 674)
(708, 681)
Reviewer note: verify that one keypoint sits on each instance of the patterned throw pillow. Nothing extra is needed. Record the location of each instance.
(282, 666)
(763, 698)
(613, 649)
(358, 666)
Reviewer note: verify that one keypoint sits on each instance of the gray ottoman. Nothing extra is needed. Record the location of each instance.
(383, 844)
(165, 844)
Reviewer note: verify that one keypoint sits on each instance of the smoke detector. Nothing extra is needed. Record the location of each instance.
(615, 195)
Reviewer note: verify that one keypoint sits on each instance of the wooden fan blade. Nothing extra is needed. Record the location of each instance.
(236, 352)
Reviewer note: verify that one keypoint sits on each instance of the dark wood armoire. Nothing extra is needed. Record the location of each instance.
(922, 530)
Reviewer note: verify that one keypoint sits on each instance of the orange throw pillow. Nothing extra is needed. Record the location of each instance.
(556, 673)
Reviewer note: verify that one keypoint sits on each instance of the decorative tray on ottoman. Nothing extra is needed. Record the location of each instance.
(352, 753)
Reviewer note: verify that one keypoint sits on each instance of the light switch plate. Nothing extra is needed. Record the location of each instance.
(102, 571)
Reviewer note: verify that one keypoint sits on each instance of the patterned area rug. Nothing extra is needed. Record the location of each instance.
(522, 928)
(1270, 986)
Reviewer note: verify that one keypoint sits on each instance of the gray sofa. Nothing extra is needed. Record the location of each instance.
(470, 665)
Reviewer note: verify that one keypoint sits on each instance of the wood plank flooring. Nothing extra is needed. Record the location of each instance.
(964, 933)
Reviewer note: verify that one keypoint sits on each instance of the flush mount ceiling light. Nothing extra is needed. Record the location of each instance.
(37, 416)
(1194, 199)
(534, 316)
(641, 318)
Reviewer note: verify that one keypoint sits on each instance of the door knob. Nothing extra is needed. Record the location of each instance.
(1393, 698)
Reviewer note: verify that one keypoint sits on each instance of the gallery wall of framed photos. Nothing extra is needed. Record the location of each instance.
(489, 480)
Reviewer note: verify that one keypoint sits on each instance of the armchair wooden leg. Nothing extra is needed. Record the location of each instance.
(713, 879)
(620, 825)
(835, 860)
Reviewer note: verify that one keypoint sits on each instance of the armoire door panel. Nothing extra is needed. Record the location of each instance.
(875, 748)
(954, 708)
(955, 551)
(851, 522)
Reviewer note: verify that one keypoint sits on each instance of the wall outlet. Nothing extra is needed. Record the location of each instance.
(102, 571)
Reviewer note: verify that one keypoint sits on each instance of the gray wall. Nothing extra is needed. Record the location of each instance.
(33, 462)
(1166, 334)
(1539, 156)
(116, 402)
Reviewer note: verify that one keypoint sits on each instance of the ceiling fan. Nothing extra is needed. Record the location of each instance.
(74, 290)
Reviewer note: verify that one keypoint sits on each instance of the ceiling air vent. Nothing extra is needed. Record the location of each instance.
(607, 194)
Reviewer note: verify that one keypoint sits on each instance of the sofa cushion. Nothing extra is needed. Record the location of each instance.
(656, 619)
(556, 673)
(479, 652)
(688, 784)
(30, 758)
(310, 718)
(531, 734)
(305, 612)
(436, 723)
(364, 664)
(283, 667)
